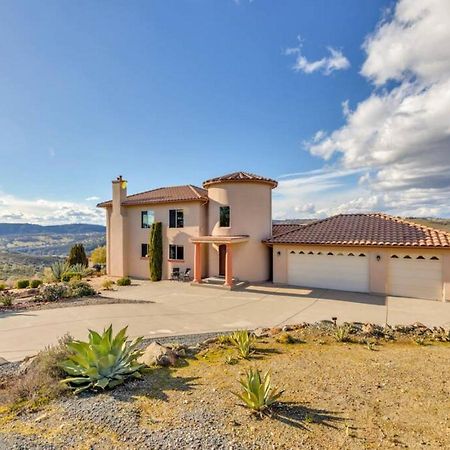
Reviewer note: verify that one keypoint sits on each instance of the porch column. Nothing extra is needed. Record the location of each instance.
(198, 263)
(228, 266)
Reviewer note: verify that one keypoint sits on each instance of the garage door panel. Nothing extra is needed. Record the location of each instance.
(420, 278)
(340, 272)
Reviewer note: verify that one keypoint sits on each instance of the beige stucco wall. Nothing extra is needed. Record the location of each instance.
(250, 214)
(378, 270)
(134, 236)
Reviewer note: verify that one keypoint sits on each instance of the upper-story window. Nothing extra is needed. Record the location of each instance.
(147, 219)
(176, 218)
(224, 216)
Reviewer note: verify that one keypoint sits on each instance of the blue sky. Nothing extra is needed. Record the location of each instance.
(174, 92)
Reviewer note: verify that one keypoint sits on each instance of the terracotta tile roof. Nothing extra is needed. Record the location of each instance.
(240, 177)
(366, 230)
(170, 194)
(281, 228)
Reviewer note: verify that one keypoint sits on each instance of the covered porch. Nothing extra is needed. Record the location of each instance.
(225, 249)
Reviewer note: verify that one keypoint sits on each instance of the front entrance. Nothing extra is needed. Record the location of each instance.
(222, 258)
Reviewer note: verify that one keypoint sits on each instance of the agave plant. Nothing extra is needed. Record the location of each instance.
(102, 362)
(342, 333)
(243, 341)
(79, 269)
(59, 268)
(258, 393)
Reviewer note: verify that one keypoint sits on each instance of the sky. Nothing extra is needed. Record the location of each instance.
(346, 103)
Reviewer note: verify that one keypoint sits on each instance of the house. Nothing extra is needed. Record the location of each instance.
(224, 229)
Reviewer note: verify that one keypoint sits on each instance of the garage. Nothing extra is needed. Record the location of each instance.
(415, 275)
(346, 270)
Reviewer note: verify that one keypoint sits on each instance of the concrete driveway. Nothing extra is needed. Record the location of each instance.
(173, 308)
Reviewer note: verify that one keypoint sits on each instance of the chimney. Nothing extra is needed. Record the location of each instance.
(119, 193)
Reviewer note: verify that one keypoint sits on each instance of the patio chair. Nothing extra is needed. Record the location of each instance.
(186, 276)
(175, 275)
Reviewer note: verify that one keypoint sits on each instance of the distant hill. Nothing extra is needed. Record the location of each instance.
(29, 228)
(433, 222)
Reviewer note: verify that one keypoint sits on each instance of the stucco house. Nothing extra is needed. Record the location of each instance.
(224, 229)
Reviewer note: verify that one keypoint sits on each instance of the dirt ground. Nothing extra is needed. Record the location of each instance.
(337, 395)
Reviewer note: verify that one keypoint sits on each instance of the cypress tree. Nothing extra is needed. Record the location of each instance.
(77, 255)
(155, 251)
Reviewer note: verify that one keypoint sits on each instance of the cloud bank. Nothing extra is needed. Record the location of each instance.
(398, 137)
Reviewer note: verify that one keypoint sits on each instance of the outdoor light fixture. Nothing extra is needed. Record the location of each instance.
(278, 253)
(378, 257)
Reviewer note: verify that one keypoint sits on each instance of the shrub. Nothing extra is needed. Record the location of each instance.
(285, 338)
(258, 393)
(22, 284)
(79, 269)
(98, 255)
(342, 333)
(102, 362)
(77, 255)
(2, 286)
(6, 299)
(40, 382)
(35, 283)
(244, 342)
(125, 281)
(81, 289)
(107, 284)
(48, 276)
(59, 268)
(53, 293)
(68, 276)
(155, 251)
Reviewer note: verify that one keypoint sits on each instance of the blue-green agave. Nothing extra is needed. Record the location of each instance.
(103, 362)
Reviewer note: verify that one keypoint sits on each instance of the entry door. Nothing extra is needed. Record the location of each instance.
(222, 256)
(343, 270)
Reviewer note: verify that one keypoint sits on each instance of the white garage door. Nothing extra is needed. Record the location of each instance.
(346, 271)
(415, 276)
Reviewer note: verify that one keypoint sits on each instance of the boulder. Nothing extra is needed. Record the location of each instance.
(260, 332)
(158, 355)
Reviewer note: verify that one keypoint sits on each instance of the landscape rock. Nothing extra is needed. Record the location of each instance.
(3, 361)
(158, 355)
(260, 332)
(26, 364)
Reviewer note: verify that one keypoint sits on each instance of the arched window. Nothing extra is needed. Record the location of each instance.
(394, 257)
(340, 254)
(320, 253)
(301, 252)
(434, 258)
(420, 257)
(292, 252)
(330, 254)
(407, 257)
(310, 253)
(362, 254)
(351, 254)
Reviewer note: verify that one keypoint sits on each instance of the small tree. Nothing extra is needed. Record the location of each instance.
(77, 255)
(98, 255)
(155, 251)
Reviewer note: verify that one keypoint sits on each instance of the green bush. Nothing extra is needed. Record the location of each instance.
(35, 283)
(2, 286)
(22, 284)
(69, 276)
(81, 289)
(342, 333)
(125, 281)
(77, 255)
(258, 394)
(102, 362)
(107, 284)
(6, 299)
(53, 292)
(155, 251)
(98, 255)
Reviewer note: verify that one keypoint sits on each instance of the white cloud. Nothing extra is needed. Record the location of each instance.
(327, 64)
(46, 212)
(399, 136)
(94, 198)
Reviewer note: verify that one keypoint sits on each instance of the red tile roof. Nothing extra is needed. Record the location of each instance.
(366, 230)
(240, 177)
(170, 194)
(281, 228)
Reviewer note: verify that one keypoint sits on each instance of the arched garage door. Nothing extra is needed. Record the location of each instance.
(346, 270)
(416, 276)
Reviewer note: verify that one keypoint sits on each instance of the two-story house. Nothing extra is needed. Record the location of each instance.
(224, 229)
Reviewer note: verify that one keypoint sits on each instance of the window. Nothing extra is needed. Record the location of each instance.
(147, 219)
(144, 250)
(176, 218)
(224, 216)
(176, 252)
